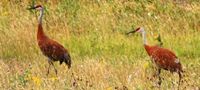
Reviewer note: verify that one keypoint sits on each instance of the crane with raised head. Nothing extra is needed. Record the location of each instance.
(50, 48)
(163, 58)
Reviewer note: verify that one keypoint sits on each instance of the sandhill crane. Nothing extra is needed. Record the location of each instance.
(163, 58)
(50, 48)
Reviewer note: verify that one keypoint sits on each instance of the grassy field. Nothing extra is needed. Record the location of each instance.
(103, 57)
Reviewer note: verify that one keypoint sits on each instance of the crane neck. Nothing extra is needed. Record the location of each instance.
(41, 15)
(40, 34)
(144, 37)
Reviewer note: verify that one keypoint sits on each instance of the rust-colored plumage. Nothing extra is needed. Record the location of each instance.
(50, 48)
(163, 58)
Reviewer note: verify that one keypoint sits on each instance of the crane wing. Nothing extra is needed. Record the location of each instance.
(165, 58)
(53, 50)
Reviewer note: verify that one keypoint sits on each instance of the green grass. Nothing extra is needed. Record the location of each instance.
(94, 33)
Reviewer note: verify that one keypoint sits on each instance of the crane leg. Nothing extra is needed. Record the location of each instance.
(160, 79)
(180, 77)
(48, 67)
(51, 63)
(54, 68)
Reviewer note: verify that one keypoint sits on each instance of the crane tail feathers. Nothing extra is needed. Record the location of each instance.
(68, 60)
(68, 63)
(61, 62)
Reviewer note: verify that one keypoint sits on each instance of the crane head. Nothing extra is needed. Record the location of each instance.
(37, 7)
(139, 29)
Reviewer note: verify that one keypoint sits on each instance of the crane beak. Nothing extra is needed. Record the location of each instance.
(130, 32)
(31, 8)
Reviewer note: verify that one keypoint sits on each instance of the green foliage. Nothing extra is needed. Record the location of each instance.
(70, 9)
(24, 77)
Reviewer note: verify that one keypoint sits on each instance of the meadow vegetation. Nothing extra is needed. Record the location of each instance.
(103, 57)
